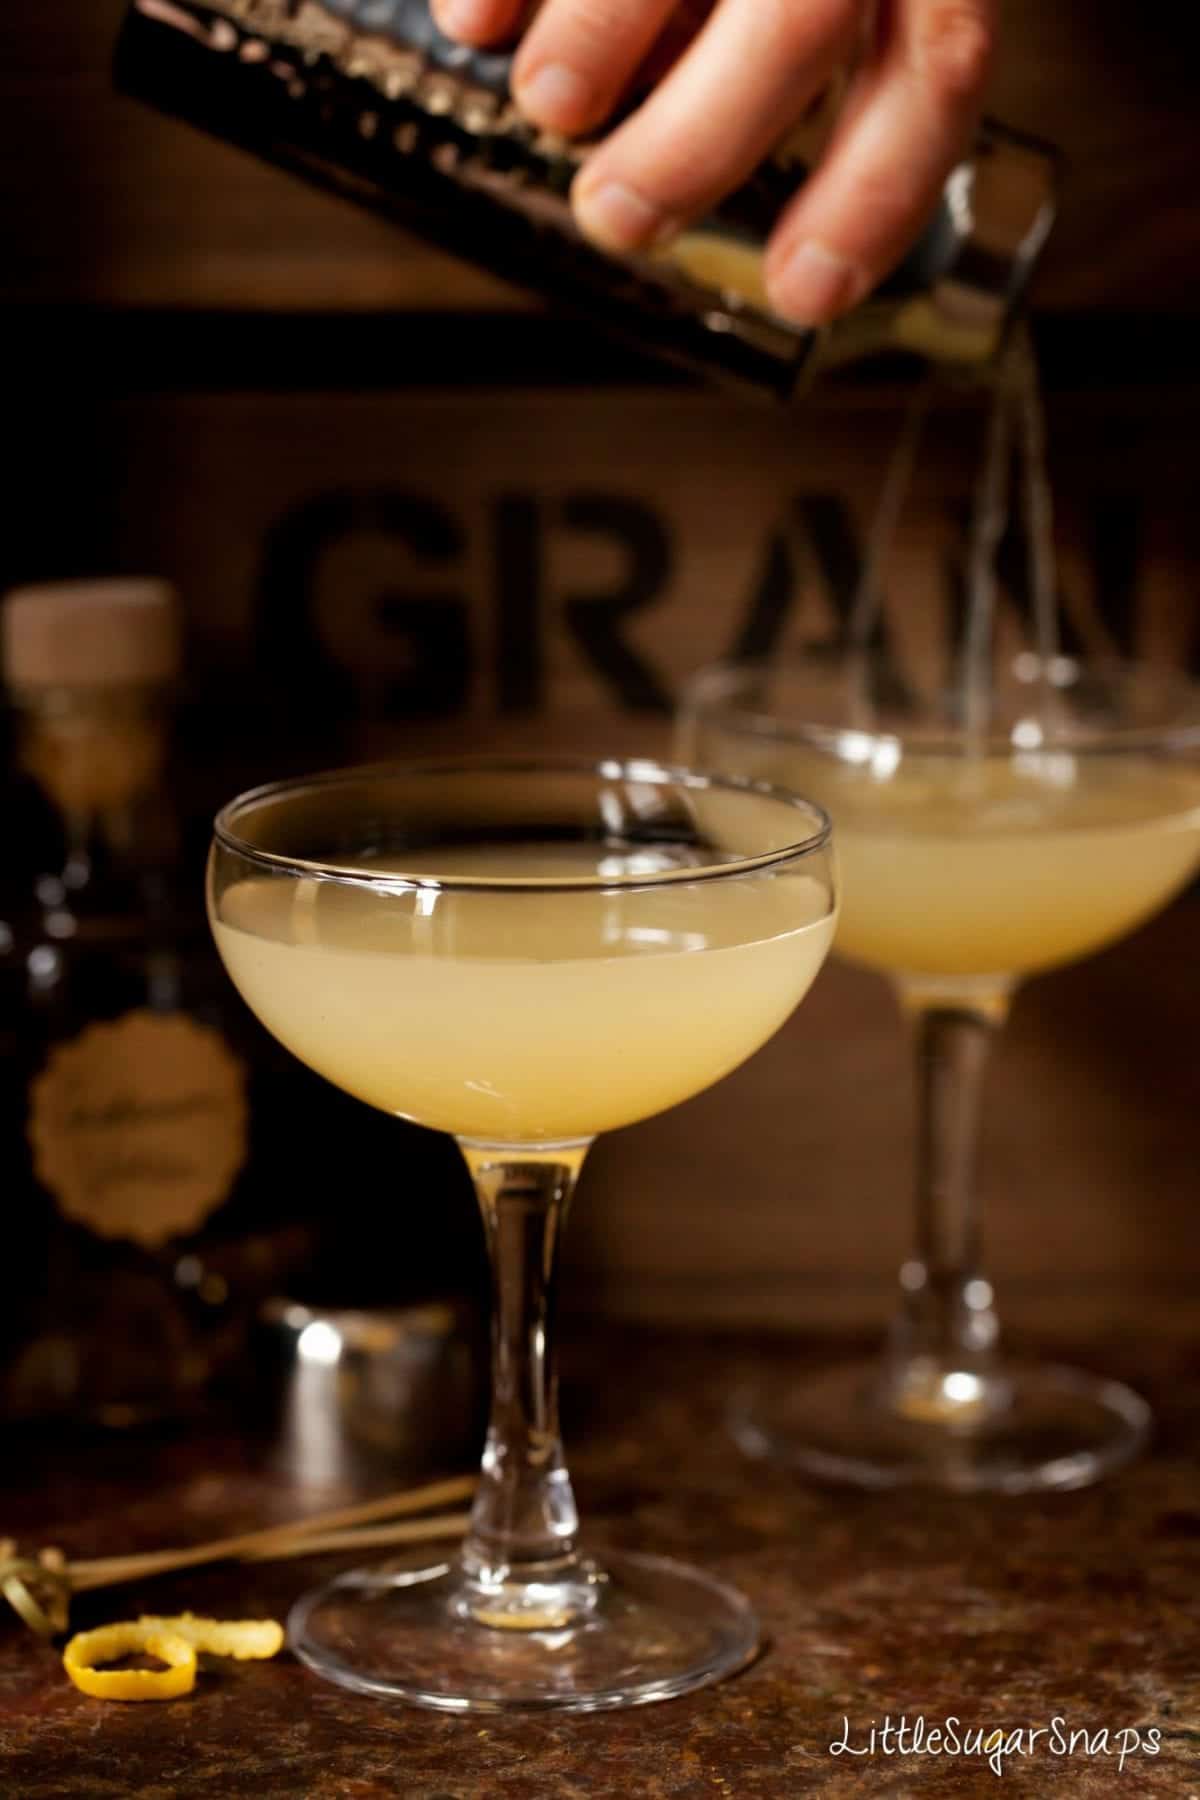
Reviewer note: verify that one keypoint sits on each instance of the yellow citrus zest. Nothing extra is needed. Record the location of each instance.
(246, 1640)
(110, 1642)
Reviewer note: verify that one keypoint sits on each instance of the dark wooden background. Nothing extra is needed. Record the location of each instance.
(385, 485)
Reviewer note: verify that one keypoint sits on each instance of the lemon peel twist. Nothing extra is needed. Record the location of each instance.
(88, 1648)
(245, 1640)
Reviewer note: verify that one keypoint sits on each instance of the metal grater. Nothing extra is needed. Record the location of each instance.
(368, 97)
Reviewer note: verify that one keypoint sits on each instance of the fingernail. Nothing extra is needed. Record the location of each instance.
(462, 18)
(554, 95)
(619, 217)
(814, 284)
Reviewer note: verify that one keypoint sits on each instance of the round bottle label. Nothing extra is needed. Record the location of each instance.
(138, 1126)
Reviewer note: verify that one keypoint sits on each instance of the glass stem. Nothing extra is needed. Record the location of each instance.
(943, 1344)
(522, 1567)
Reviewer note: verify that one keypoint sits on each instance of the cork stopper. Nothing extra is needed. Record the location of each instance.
(113, 633)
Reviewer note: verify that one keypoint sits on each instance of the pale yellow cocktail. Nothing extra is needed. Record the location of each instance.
(514, 1018)
(1006, 867)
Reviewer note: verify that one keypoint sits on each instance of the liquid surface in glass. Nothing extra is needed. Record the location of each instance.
(519, 1018)
(1002, 866)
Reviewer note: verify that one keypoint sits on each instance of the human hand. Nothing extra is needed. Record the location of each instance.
(732, 77)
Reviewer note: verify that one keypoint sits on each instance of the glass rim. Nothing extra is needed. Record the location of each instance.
(1083, 740)
(644, 769)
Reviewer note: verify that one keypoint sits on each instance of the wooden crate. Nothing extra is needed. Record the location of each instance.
(406, 571)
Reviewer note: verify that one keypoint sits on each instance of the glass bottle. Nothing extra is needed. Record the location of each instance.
(125, 1102)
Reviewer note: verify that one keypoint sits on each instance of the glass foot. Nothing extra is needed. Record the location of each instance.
(656, 1629)
(1027, 1427)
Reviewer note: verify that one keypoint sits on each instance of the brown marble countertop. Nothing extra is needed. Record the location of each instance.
(1008, 1613)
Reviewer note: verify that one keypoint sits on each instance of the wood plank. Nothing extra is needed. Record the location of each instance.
(318, 536)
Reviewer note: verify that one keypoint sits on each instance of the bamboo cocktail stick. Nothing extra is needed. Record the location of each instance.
(39, 1587)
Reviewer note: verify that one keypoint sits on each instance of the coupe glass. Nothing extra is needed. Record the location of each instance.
(523, 955)
(969, 862)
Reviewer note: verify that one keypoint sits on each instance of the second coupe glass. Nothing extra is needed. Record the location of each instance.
(970, 862)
